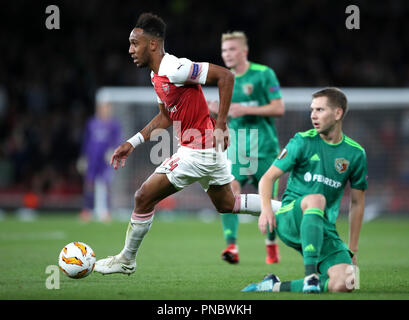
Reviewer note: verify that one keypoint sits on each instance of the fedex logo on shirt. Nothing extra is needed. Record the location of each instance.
(320, 178)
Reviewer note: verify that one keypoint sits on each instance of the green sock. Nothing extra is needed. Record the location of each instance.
(297, 285)
(271, 236)
(312, 236)
(230, 223)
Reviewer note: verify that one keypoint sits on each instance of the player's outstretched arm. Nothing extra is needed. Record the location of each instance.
(356, 214)
(224, 79)
(274, 109)
(121, 154)
(160, 121)
(265, 186)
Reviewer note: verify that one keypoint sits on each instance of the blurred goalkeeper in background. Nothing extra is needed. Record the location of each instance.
(254, 143)
(102, 134)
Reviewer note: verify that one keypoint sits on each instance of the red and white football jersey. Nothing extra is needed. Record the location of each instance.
(185, 103)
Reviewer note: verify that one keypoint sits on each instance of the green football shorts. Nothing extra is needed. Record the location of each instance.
(244, 173)
(334, 251)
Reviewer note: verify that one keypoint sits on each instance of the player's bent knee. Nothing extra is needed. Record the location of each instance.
(315, 200)
(138, 197)
(142, 203)
(319, 198)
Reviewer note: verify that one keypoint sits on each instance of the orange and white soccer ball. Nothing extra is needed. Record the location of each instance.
(77, 260)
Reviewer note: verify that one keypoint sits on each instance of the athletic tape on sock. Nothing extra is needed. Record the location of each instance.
(142, 216)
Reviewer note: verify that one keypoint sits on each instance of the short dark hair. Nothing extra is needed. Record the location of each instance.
(336, 98)
(151, 24)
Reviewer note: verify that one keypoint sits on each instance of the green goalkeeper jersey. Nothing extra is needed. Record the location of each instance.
(256, 87)
(319, 167)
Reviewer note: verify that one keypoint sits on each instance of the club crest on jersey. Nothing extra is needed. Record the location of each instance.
(341, 165)
(248, 89)
(172, 109)
(165, 88)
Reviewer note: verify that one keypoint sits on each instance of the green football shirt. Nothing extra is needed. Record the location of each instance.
(256, 87)
(316, 166)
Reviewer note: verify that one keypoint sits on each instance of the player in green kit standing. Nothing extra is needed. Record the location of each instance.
(321, 162)
(254, 144)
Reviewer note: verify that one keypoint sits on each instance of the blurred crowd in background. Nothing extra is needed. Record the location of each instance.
(48, 78)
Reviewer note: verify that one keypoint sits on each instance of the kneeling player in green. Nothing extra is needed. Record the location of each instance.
(321, 161)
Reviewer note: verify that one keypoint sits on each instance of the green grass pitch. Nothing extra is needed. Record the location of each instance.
(180, 260)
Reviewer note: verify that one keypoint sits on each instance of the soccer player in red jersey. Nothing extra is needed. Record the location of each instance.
(203, 140)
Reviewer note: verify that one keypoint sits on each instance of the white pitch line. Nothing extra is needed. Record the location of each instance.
(24, 236)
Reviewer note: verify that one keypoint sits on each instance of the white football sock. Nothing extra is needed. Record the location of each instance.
(134, 235)
(251, 204)
(277, 287)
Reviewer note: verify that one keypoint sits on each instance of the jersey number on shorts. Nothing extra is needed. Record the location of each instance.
(172, 164)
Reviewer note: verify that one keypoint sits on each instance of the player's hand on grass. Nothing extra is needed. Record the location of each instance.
(120, 154)
(221, 138)
(355, 259)
(267, 219)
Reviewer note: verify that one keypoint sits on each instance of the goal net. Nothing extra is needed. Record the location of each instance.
(378, 119)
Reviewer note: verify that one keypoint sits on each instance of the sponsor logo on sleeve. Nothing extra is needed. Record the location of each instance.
(195, 71)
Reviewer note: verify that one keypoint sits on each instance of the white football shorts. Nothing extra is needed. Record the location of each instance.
(188, 165)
